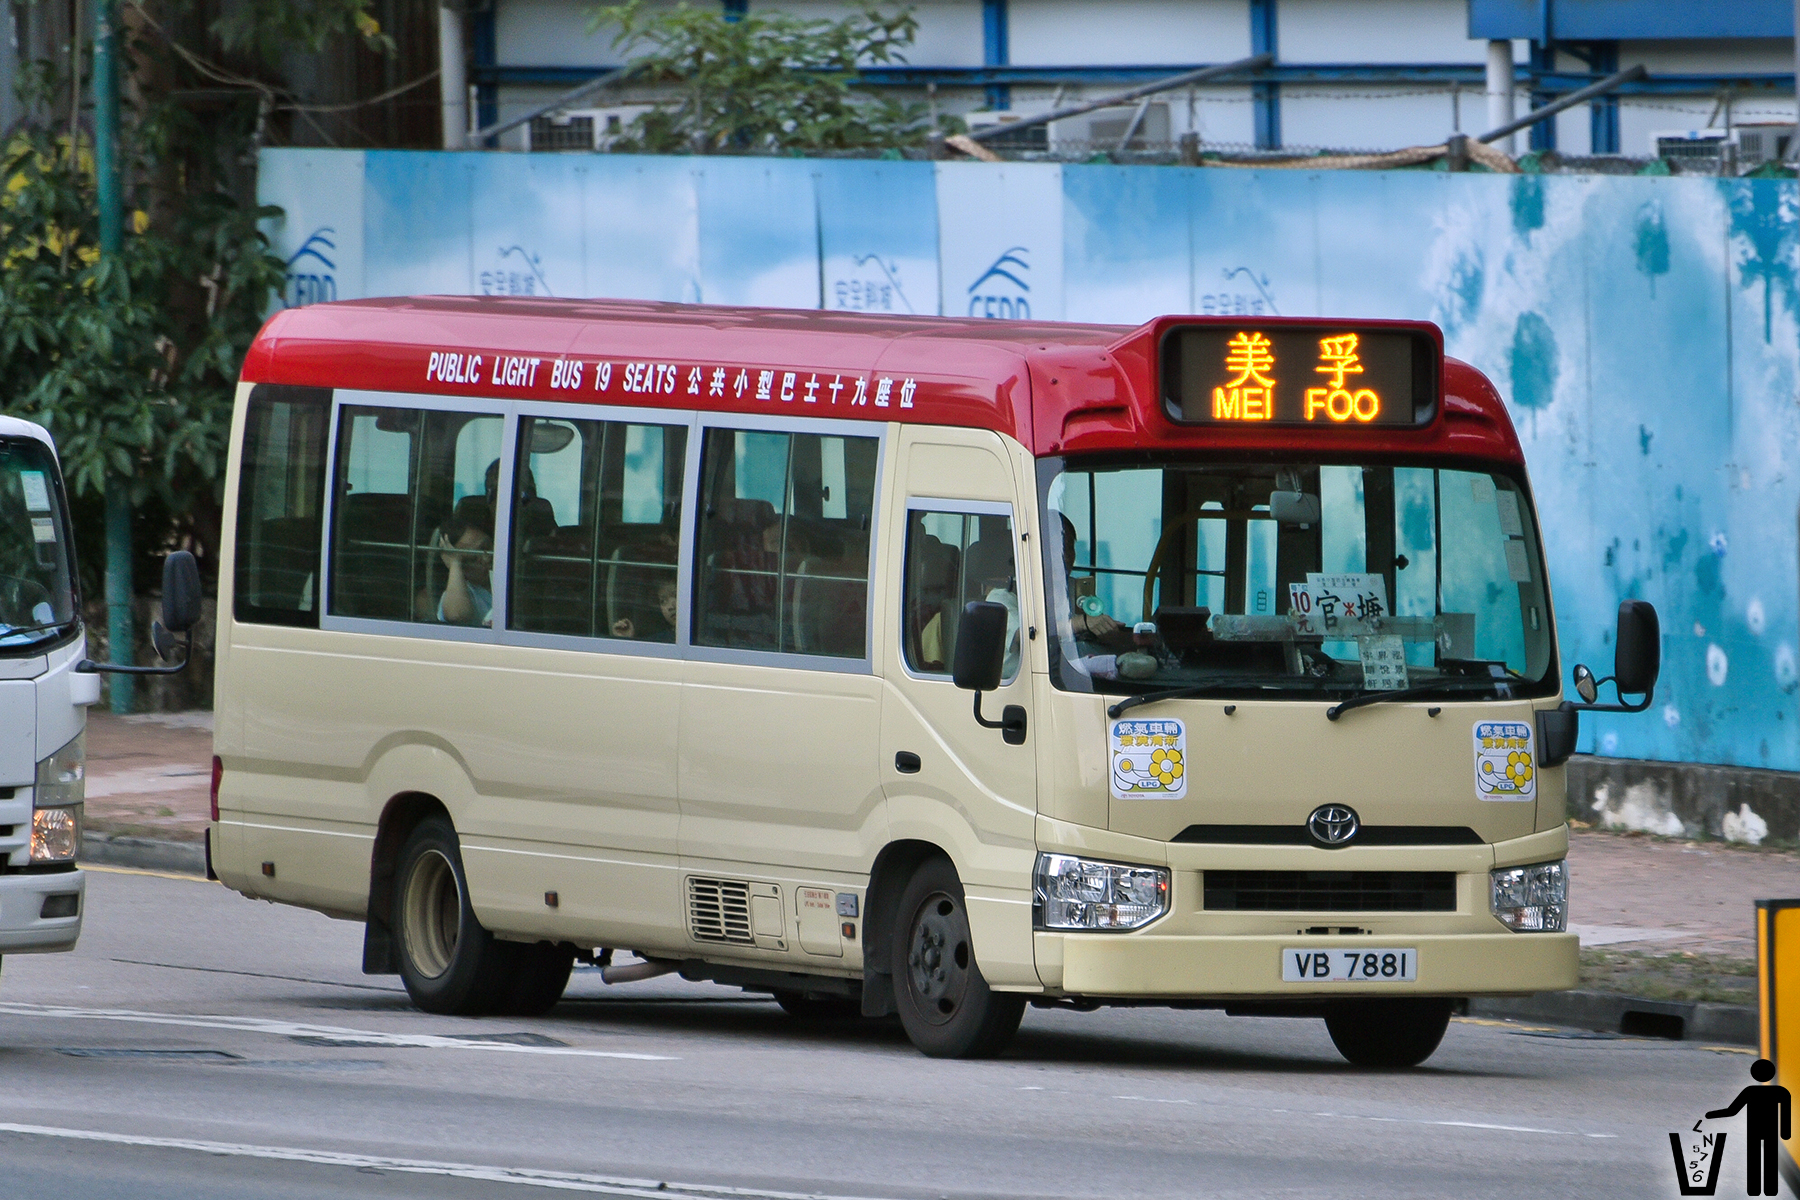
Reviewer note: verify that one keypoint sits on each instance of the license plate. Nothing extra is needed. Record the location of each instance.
(1349, 966)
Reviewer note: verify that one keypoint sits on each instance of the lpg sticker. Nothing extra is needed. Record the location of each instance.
(1505, 767)
(1149, 760)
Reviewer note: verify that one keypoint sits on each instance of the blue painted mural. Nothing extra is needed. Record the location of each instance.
(1646, 332)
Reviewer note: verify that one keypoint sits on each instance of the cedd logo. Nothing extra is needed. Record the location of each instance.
(311, 277)
(1001, 293)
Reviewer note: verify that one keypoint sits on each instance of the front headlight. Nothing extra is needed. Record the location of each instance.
(1079, 893)
(1532, 899)
(55, 834)
(62, 778)
(57, 796)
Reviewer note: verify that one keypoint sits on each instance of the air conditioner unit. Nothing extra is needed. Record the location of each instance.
(982, 120)
(581, 128)
(1700, 151)
(1123, 127)
(1759, 143)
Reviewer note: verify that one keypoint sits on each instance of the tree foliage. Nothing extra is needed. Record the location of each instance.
(767, 81)
(130, 360)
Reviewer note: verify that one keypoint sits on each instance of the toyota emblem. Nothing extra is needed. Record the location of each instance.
(1333, 824)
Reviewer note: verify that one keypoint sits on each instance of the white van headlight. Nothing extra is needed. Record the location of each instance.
(1079, 893)
(1533, 899)
(57, 796)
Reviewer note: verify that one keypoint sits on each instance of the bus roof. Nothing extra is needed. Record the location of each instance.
(1057, 388)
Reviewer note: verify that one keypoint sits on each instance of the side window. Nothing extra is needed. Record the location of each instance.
(783, 558)
(281, 496)
(413, 524)
(952, 559)
(596, 524)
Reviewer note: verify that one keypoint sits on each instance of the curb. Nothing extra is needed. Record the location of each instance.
(1679, 1020)
(145, 854)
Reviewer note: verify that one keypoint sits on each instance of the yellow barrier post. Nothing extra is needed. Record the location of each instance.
(1778, 996)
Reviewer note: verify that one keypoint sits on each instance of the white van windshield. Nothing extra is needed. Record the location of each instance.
(1294, 579)
(37, 595)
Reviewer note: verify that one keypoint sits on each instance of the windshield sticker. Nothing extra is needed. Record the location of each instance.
(1383, 662)
(1505, 766)
(1517, 564)
(1149, 760)
(1511, 524)
(37, 493)
(43, 529)
(1482, 488)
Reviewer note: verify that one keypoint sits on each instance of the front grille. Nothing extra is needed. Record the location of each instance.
(1330, 891)
(719, 911)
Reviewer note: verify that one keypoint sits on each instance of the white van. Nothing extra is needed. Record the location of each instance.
(46, 684)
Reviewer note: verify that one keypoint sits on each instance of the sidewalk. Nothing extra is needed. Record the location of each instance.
(1652, 913)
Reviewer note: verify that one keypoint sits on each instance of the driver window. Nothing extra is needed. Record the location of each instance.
(953, 559)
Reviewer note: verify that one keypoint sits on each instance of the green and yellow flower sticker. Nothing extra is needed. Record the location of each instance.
(1149, 760)
(1505, 765)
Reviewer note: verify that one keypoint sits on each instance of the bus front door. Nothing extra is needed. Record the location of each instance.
(949, 781)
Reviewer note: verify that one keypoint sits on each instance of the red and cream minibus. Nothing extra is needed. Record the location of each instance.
(911, 665)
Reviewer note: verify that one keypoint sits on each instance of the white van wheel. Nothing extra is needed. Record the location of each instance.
(449, 963)
(945, 1005)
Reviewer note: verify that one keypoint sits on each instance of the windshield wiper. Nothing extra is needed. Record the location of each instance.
(1424, 689)
(6, 631)
(1191, 690)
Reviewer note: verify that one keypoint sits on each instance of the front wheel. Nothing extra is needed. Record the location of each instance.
(945, 1005)
(1397, 1032)
(449, 963)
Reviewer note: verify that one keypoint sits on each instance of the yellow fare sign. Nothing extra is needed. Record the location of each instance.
(1298, 375)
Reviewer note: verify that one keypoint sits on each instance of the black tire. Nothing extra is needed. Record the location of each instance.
(1401, 1032)
(539, 972)
(449, 963)
(819, 1008)
(945, 1005)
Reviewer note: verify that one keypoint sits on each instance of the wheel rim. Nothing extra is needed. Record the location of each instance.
(938, 959)
(431, 916)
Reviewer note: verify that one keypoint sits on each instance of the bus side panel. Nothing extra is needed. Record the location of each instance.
(573, 756)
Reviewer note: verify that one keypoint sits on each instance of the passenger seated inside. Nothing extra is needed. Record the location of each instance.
(466, 540)
(659, 628)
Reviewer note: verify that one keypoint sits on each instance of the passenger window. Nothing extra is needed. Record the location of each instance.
(953, 559)
(783, 559)
(596, 521)
(413, 527)
(281, 494)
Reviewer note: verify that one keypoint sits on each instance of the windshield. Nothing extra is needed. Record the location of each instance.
(1297, 579)
(37, 598)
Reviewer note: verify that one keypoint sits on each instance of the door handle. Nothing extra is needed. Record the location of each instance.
(906, 762)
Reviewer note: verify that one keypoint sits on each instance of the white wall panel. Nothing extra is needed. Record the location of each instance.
(1376, 31)
(1135, 32)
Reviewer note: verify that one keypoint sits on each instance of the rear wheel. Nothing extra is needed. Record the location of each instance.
(539, 973)
(449, 963)
(945, 1005)
(1397, 1032)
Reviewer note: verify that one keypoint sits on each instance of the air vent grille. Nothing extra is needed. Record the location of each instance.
(719, 911)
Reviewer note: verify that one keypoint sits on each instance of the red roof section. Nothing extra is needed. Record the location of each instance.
(1057, 388)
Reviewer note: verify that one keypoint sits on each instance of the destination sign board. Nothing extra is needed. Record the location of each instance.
(1322, 376)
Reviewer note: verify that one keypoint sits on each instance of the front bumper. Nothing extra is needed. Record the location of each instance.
(22, 929)
(1190, 967)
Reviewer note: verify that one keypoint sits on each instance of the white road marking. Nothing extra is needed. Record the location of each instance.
(322, 1033)
(524, 1176)
(1393, 1120)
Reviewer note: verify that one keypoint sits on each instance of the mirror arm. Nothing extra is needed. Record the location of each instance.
(1621, 707)
(983, 721)
(88, 666)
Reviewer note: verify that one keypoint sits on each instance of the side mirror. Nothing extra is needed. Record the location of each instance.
(980, 657)
(980, 646)
(1637, 655)
(1637, 660)
(1294, 508)
(1586, 686)
(180, 592)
